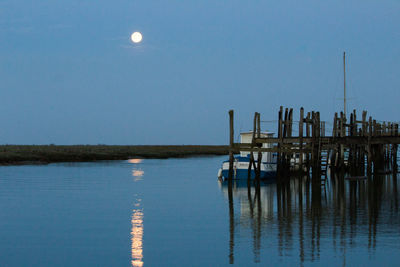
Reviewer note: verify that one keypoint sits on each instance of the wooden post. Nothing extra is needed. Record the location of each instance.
(355, 129)
(308, 135)
(285, 133)
(316, 172)
(370, 133)
(301, 122)
(318, 139)
(252, 163)
(351, 150)
(313, 142)
(285, 124)
(335, 128)
(231, 144)
(289, 134)
(342, 134)
(364, 123)
(384, 147)
(280, 133)
(335, 131)
(259, 156)
(290, 124)
(280, 122)
(364, 134)
(318, 130)
(395, 147)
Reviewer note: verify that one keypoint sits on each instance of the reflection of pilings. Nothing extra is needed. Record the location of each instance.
(231, 223)
(352, 207)
(284, 215)
(396, 200)
(249, 198)
(316, 210)
(280, 215)
(257, 228)
(375, 195)
(301, 224)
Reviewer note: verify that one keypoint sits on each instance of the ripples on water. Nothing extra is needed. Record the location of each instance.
(176, 213)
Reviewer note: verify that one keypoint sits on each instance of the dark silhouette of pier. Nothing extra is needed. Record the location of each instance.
(355, 146)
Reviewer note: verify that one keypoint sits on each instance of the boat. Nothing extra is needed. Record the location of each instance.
(241, 162)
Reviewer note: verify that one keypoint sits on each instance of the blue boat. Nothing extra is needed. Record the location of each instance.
(241, 163)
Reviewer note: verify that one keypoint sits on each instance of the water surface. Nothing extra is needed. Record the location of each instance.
(175, 212)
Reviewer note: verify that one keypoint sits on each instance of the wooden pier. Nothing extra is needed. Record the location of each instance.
(356, 145)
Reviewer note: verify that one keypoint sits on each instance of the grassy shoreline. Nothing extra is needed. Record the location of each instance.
(44, 154)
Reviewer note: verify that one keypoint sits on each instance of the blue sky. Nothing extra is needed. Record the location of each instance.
(70, 75)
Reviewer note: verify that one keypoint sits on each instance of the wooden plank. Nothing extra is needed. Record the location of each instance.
(276, 149)
(375, 140)
(287, 140)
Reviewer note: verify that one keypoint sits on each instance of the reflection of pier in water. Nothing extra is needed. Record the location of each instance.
(342, 214)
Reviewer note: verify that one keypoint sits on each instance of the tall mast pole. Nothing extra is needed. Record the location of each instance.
(344, 82)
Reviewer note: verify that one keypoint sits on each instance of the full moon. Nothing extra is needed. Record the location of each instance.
(136, 37)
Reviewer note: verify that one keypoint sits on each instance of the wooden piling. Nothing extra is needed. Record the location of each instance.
(301, 123)
(253, 138)
(308, 119)
(369, 145)
(259, 156)
(280, 142)
(231, 144)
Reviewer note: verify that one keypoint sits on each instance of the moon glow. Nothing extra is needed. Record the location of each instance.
(136, 37)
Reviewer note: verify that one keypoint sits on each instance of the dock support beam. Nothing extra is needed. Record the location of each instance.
(231, 139)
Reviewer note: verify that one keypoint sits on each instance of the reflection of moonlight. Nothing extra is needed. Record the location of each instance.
(135, 161)
(136, 37)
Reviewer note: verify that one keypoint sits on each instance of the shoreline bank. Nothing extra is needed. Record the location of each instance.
(45, 154)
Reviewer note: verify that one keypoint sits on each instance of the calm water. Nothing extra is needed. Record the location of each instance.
(176, 213)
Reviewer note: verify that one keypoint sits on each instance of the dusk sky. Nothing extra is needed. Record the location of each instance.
(69, 73)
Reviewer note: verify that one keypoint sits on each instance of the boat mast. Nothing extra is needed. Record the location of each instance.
(344, 82)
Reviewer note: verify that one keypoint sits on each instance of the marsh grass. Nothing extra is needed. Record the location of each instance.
(42, 154)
